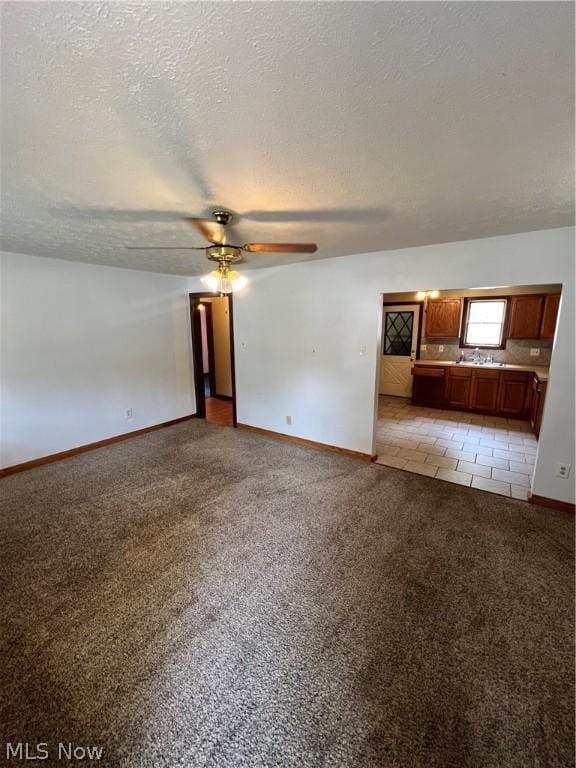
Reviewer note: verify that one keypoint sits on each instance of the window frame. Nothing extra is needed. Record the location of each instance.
(468, 300)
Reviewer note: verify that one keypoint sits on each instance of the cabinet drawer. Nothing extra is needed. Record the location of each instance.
(483, 374)
(430, 373)
(515, 376)
(460, 373)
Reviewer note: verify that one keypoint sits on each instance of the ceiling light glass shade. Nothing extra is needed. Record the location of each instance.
(224, 281)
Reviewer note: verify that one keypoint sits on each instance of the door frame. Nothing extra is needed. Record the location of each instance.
(382, 338)
(196, 335)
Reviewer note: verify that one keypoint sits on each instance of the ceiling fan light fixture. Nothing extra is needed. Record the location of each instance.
(224, 280)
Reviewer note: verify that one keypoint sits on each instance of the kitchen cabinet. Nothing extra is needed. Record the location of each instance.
(549, 315)
(428, 386)
(513, 392)
(443, 318)
(484, 391)
(458, 384)
(537, 393)
(525, 316)
(510, 393)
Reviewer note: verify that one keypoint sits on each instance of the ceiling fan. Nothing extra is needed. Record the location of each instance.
(224, 280)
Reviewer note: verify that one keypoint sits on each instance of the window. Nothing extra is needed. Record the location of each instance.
(484, 323)
(398, 333)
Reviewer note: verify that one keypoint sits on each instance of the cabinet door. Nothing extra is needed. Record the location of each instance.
(525, 317)
(443, 318)
(538, 416)
(512, 398)
(549, 316)
(484, 393)
(428, 387)
(458, 388)
(534, 400)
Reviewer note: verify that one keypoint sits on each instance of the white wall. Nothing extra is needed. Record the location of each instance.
(299, 331)
(81, 343)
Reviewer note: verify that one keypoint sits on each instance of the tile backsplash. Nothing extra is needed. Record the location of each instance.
(517, 351)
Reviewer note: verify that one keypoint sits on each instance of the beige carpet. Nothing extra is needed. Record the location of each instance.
(203, 596)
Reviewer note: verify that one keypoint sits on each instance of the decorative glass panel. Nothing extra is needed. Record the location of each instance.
(398, 333)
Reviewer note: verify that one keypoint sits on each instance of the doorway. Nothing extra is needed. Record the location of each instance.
(213, 356)
(400, 341)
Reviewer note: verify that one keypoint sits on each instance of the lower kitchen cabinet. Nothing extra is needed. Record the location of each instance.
(458, 384)
(515, 394)
(428, 386)
(484, 392)
(512, 397)
(537, 392)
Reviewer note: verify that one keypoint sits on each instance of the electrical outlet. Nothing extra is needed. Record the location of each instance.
(563, 470)
(534, 352)
(423, 347)
(288, 419)
(128, 413)
(362, 350)
(441, 348)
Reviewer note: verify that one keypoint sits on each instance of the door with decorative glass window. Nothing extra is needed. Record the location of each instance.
(399, 344)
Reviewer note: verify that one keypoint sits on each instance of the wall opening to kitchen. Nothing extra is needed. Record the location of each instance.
(462, 379)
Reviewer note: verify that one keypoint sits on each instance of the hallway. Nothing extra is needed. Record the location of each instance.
(219, 410)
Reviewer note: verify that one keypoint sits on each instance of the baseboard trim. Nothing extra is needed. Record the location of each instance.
(543, 501)
(89, 447)
(307, 443)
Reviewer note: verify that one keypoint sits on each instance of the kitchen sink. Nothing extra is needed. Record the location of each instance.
(481, 364)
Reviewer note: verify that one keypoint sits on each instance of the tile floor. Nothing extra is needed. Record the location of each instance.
(488, 452)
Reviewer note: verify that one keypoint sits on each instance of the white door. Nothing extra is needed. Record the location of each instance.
(399, 344)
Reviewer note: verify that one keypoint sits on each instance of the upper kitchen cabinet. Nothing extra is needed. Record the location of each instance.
(525, 316)
(549, 315)
(443, 318)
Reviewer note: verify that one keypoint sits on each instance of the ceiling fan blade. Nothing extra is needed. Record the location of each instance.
(210, 230)
(280, 247)
(165, 248)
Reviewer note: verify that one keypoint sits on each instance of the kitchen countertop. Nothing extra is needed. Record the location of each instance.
(540, 370)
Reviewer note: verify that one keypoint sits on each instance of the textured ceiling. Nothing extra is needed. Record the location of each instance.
(361, 126)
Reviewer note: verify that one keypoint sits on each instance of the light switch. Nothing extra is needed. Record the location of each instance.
(362, 351)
